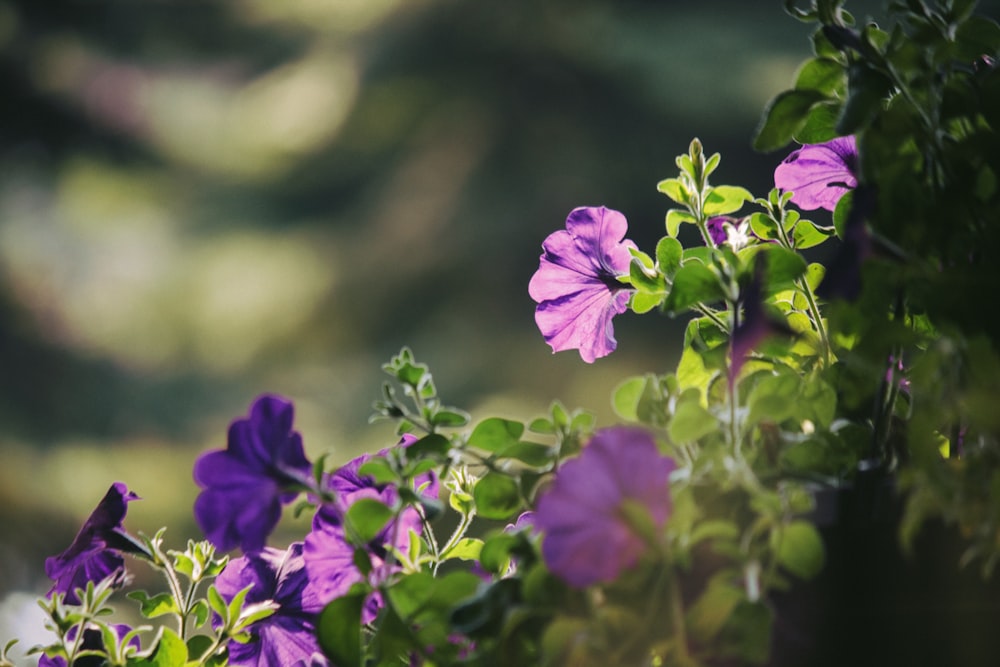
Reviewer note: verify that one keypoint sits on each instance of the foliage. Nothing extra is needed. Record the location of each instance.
(662, 540)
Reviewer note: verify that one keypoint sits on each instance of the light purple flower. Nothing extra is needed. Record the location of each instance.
(95, 553)
(93, 640)
(288, 636)
(329, 557)
(587, 535)
(245, 485)
(576, 285)
(819, 174)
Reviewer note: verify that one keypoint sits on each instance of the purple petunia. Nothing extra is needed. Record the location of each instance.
(819, 174)
(93, 640)
(329, 556)
(95, 553)
(576, 285)
(288, 636)
(588, 536)
(244, 486)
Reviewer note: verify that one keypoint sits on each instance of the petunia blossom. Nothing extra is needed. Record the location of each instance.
(587, 516)
(96, 552)
(329, 555)
(93, 640)
(288, 636)
(576, 285)
(244, 486)
(818, 175)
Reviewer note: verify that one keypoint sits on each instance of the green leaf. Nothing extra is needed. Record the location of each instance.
(784, 116)
(158, 605)
(807, 235)
(495, 434)
(379, 470)
(675, 189)
(867, 92)
(821, 123)
(691, 421)
(726, 199)
(841, 211)
(467, 548)
(764, 226)
(339, 630)
(197, 646)
(823, 75)
(643, 302)
(668, 255)
(625, 399)
(532, 453)
(366, 517)
(694, 283)
(170, 651)
(675, 217)
(783, 267)
(774, 398)
(496, 550)
(645, 280)
(800, 550)
(450, 418)
(712, 609)
(496, 496)
(814, 275)
(434, 446)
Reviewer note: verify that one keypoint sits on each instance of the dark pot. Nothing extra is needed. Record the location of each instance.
(873, 604)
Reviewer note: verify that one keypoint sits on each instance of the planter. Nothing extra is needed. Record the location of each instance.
(873, 604)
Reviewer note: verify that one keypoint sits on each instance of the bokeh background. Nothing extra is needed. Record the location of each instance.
(204, 200)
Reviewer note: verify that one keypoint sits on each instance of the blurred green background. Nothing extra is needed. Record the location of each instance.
(201, 201)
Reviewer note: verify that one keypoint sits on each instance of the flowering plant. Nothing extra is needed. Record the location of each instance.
(822, 353)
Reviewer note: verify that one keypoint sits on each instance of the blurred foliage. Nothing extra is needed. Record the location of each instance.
(202, 201)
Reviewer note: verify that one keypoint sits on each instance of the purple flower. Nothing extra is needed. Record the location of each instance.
(93, 640)
(756, 323)
(245, 485)
(329, 556)
(95, 553)
(819, 174)
(288, 636)
(576, 285)
(588, 535)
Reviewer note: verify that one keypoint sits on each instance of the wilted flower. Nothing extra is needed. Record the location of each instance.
(576, 285)
(95, 553)
(288, 636)
(245, 485)
(587, 517)
(819, 174)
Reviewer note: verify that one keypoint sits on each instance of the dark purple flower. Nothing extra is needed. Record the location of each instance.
(586, 516)
(288, 636)
(329, 556)
(819, 174)
(95, 553)
(245, 485)
(93, 640)
(576, 285)
(717, 228)
(735, 233)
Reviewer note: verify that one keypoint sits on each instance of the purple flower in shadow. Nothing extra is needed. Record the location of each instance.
(244, 486)
(586, 516)
(576, 285)
(819, 174)
(329, 556)
(93, 640)
(756, 323)
(288, 636)
(95, 553)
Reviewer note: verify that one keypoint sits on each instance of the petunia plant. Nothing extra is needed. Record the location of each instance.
(835, 392)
